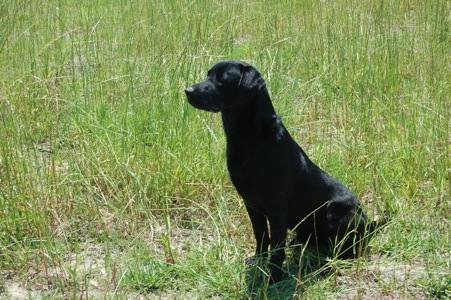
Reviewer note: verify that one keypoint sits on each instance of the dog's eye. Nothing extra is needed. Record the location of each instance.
(219, 78)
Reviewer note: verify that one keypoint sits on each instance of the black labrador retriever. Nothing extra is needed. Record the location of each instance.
(272, 173)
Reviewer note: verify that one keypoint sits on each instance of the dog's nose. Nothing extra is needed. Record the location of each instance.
(189, 90)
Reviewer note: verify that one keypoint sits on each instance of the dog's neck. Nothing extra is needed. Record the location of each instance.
(251, 123)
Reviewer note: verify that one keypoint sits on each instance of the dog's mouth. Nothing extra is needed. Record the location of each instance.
(213, 109)
(203, 106)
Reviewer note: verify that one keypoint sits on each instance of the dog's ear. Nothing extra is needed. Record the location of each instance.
(250, 84)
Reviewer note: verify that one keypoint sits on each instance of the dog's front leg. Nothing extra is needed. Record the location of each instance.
(261, 233)
(278, 226)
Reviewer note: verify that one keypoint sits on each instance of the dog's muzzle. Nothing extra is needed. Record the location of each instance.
(198, 102)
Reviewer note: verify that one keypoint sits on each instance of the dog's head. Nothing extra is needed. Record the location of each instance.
(229, 85)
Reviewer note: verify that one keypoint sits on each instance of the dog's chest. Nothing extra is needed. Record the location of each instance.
(237, 168)
(238, 174)
(253, 171)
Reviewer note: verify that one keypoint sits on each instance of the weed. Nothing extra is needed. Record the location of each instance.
(100, 150)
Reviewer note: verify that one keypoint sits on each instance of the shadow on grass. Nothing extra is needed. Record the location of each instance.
(300, 271)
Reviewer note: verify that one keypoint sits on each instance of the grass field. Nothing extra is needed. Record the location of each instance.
(113, 186)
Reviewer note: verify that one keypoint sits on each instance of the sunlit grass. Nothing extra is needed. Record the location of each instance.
(100, 150)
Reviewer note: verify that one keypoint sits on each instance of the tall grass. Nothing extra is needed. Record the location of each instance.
(100, 151)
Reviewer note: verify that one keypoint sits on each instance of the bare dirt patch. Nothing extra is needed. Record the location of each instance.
(91, 273)
(383, 280)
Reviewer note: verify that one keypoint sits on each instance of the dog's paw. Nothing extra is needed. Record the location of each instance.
(275, 275)
(252, 261)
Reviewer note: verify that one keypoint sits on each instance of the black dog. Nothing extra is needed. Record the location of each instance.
(276, 179)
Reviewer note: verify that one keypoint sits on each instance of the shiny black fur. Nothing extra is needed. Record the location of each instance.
(272, 173)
